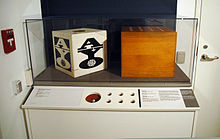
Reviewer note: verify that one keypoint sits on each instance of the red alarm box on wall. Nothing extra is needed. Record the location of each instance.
(8, 40)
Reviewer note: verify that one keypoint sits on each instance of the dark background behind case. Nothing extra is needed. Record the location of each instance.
(104, 14)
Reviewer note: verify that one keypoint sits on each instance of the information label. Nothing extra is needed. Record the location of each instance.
(161, 99)
(53, 97)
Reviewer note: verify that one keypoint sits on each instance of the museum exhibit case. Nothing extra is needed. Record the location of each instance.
(124, 74)
(148, 51)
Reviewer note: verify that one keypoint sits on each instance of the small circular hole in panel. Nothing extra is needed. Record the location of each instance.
(108, 101)
(93, 98)
(205, 46)
(132, 101)
(121, 94)
(132, 94)
(120, 101)
(109, 94)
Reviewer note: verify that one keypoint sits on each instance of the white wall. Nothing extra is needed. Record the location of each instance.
(12, 14)
(186, 8)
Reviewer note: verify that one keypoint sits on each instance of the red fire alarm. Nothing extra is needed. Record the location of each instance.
(8, 40)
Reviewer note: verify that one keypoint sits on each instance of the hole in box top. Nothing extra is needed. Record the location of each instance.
(79, 30)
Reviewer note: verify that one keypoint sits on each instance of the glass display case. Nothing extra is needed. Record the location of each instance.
(42, 54)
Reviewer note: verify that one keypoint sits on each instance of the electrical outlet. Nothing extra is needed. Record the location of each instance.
(180, 57)
(17, 87)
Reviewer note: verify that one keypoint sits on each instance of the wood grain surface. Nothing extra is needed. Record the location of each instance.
(148, 52)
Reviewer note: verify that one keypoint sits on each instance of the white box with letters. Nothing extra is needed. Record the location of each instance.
(81, 51)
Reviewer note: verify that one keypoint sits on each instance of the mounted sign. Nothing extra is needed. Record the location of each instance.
(8, 40)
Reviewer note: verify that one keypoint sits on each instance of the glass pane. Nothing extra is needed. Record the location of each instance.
(39, 34)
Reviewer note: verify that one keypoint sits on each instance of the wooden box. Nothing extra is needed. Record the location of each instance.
(79, 52)
(148, 51)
